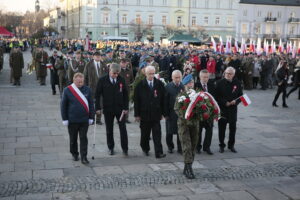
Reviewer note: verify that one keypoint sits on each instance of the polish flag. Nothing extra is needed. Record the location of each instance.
(49, 66)
(298, 48)
(228, 45)
(221, 48)
(294, 51)
(245, 100)
(273, 47)
(87, 43)
(280, 48)
(236, 46)
(252, 46)
(243, 47)
(214, 43)
(258, 47)
(289, 47)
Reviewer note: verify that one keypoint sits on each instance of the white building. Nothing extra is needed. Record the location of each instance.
(268, 19)
(100, 18)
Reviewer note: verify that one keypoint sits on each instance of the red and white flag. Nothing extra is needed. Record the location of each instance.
(221, 48)
(280, 47)
(258, 47)
(236, 46)
(228, 45)
(214, 43)
(245, 100)
(79, 96)
(87, 43)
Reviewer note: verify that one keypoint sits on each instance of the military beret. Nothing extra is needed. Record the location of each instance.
(109, 50)
(148, 58)
(188, 78)
(142, 65)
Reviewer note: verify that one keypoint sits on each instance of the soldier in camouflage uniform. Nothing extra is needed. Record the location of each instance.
(248, 64)
(41, 58)
(16, 62)
(188, 133)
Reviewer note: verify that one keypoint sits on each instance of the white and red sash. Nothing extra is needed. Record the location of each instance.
(79, 96)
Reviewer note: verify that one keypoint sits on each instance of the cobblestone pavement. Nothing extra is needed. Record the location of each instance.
(35, 162)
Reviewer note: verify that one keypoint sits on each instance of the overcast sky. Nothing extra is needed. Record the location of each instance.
(24, 5)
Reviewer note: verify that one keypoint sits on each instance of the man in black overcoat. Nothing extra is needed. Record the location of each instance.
(228, 91)
(149, 110)
(112, 89)
(53, 72)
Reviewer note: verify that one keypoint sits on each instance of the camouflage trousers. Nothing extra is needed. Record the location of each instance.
(188, 135)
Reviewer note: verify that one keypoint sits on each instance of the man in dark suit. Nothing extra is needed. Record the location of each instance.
(149, 110)
(205, 86)
(53, 72)
(172, 90)
(77, 111)
(228, 91)
(112, 90)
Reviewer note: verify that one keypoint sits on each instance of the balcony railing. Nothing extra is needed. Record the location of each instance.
(290, 36)
(270, 19)
(269, 35)
(294, 20)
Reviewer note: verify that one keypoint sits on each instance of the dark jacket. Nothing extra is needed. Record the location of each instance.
(170, 97)
(282, 75)
(227, 91)
(53, 71)
(114, 96)
(210, 87)
(72, 110)
(149, 103)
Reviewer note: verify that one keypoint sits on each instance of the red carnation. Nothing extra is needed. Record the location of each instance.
(216, 111)
(183, 108)
(203, 107)
(205, 116)
(192, 114)
(200, 98)
(187, 100)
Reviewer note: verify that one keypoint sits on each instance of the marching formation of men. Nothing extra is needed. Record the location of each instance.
(102, 83)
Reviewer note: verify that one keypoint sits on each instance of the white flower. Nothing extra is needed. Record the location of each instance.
(181, 99)
(205, 97)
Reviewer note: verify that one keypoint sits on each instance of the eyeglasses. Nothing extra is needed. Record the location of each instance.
(229, 73)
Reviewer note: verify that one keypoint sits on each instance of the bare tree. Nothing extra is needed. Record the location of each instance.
(198, 32)
(140, 30)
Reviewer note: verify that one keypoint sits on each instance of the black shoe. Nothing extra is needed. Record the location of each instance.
(198, 151)
(285, 106)
(125, 153)
(75, 158)
(188, 171)
(146, 153)
(84, 161)
(170, 150)
(127, 121)
(53, 92)
(179, 151)
(221, 150)
(111, 152)
(160, 155)
(99, 123)
(15, 84)
(208, 151)
(274, 105)
(232, 149)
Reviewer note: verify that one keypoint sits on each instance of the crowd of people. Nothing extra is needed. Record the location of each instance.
(105, 78)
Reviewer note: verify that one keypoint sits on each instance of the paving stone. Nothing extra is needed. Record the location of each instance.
(14, 145)
(20, 166)
(262, 160)
(237, 195)
(291, 191)
(108, 170)
(238, 162)
(214, 163)
(7, 139)
(203, 187)
(283, 159)
(71, 196)
(16, 176)
(115, 194)
(196, 165)
(138, 168)
(16, 158)
(79, 171)
(171, 198)
(6, 152)
(162, 167)
(43, 157)
(142, 192)
(58, 164)
(208, 196)
(6, 167)
(267, 194)
(35, 197)
(167, 190)
(29, 150)
(231, 185)
(47, 174)
(8, 198)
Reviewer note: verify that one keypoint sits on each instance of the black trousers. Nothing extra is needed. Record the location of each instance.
(80, 129)
(170, 131)
(281, 89)
(109, 124)
(146, 128)
(208, 135)
(222, 123)
(294, 89)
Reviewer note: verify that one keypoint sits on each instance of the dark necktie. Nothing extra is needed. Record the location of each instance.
(151, 86)
(114, 81)
(204, 88)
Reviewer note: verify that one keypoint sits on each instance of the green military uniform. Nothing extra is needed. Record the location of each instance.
(248, 65)
(41, 58)
(1, 58)
(74, 67)
(16, 62)
(61, 72)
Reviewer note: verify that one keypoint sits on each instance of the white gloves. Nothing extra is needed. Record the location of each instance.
(65, 123)
(91, 121)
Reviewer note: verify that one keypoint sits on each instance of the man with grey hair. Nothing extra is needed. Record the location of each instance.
(172, 90)
(149, 110)
(228, 91)
(111, 88)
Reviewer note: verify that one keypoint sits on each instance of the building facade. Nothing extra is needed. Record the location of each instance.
(268, 19)
(147, 19)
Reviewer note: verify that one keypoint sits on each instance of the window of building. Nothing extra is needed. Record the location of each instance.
(259, 13)
(89, 17)
(206, 4)
(229, 21)
(206, 20)
(279, 14)
(217, 21)
(138, 19)
(179, 3)
(218, 4)
(150, 19)
(292, 30)
(268, 29)
(269, 14)
(138, 2)
(293, 14)
(230, 4)
(164, 20)
(164, 2)
(105, 2)
(278, 29)
(105, 18)
(124, 19)
(89, 1)
(245, 13)
(258, 29)
(244, 28)
(194, 3)
(124, 2)
(194, 21)
(150, 2)
(179, 21)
